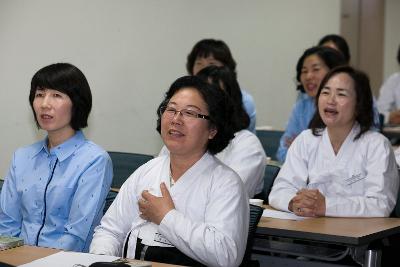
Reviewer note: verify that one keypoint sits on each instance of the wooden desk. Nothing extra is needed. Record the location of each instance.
(344, 231)
(355, 234)
(26, 254)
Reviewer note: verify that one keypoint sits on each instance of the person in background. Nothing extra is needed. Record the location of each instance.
(339, 167)
(215, 52)
(311, 68)
(389, 97)
(244, 154)
(54, 192)
(336, 42)
(185, 207)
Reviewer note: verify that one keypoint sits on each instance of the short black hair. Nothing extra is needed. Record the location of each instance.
(211, 47)
(222, 76)
(331, 57)
(364, 110)
(219, 109)
(339, 42)
(68, 79)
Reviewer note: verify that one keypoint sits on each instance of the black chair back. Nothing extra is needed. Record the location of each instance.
(124, 164)
(271, 171)
(255, 215)
(270, 141)
(396, 210)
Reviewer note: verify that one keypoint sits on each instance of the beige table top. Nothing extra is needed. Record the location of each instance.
(25, 254)
(349, 231)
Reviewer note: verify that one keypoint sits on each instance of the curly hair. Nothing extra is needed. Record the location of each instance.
(219, 109)
(223, 77)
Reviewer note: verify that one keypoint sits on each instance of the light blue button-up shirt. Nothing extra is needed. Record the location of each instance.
(250, 108)
(58, 210)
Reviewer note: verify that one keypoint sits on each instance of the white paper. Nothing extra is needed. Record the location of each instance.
(68, 259)
(282, 215)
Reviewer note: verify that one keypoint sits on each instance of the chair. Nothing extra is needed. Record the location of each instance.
(109, 200)
(271, 171)
(270, 141)
(124, 164)
(255, 215)
(396, 210)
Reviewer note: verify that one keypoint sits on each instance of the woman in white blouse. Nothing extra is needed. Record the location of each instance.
(389, 97)
(339, 167)
(185, 207)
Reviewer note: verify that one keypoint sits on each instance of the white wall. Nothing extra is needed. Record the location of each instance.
(131, 51)
(392, 37)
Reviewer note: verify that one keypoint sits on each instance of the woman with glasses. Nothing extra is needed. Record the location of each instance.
(185, 207)
(244, 154)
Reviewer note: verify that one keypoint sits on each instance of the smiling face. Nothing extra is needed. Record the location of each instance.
(337, 102)
(183, 135)
(312, 73)
(53, 113)
(202, 62)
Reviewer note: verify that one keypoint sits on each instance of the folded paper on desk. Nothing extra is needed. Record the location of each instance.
(282, 215)
(7, 242)
(68, 259)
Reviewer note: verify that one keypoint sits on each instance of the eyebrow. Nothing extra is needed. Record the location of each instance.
(188, 106)
(313, 65)
(339, 89)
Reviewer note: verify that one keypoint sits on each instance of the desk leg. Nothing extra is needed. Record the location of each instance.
(372, 258)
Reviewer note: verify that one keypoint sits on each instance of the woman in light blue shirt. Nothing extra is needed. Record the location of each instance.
(311, 68)
(55, 189)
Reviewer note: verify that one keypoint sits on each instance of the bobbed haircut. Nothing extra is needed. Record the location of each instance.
(211, 47)
(363, 111)
(339, 42)
(218, 105)
(68, 79)
(223, 76)
(331, 57)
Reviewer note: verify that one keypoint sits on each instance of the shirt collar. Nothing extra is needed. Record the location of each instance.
(63, 150)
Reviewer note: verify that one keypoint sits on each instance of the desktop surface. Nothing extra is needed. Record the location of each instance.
(348, 231)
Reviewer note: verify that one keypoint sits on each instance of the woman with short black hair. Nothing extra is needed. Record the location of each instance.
(211, 52)
(185, 207)
(55, 190)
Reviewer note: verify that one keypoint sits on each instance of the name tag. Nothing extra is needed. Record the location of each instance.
(355, 178)
(161, 239)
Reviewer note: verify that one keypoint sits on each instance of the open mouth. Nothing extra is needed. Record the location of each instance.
(175, 133)
(46, 117)
(330, 111)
